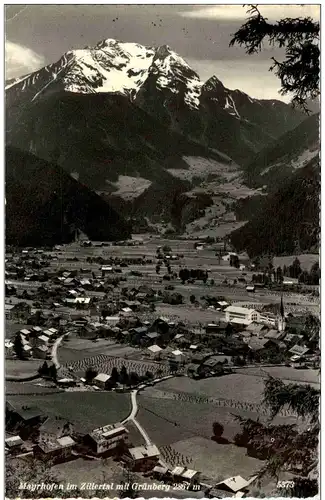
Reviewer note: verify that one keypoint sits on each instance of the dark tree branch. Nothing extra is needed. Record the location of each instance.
(299, 37)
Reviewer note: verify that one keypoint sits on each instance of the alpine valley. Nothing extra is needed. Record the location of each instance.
(136, 125)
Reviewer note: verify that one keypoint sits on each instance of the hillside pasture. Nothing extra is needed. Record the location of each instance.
(87, 410)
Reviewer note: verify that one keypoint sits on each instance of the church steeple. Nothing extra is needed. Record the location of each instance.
(281, 317)
(282, 308)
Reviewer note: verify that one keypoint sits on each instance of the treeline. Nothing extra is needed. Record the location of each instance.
(195, 274)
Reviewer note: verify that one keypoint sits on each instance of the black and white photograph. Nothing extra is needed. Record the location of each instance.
(162, 250)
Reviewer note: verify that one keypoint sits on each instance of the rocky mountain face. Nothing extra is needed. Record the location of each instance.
(45, 206)
(125, 109)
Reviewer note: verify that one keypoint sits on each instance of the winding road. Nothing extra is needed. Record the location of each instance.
(132, 418)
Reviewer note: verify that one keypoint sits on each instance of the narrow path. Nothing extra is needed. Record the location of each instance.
(131, 418)
(54, 354)
(143, 432)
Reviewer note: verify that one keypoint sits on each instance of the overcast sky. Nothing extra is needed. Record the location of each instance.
(39, 34)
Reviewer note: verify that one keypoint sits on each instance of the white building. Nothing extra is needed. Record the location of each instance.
(102, 380)
(155, 351)
(108, 438)
(241, 315)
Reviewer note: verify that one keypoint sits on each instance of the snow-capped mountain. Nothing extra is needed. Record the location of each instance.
(112, 67)
(123, 109)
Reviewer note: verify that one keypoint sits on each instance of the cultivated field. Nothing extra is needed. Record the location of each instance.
(105, 364)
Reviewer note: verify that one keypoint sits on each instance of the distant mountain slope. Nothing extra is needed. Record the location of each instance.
(126, 109)
(286, 220)
(44, 205)
(290, 152)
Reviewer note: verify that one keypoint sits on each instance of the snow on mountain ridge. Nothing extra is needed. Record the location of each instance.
(113, 66)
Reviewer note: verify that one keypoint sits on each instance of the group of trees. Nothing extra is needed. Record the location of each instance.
(195, 274)
(48, 371)
(234, 261)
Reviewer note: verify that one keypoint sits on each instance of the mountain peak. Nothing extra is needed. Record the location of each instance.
(163, 51)
(214, 83)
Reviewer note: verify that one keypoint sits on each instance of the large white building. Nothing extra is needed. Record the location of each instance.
(241, 315)
(108, 438)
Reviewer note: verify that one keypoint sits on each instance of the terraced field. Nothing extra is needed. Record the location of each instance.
(105, 364)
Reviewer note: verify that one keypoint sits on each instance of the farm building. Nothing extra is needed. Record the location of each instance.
(155, 351)
(56, 450)
(178, 355)
(262, 346)
(102, 380)
(27, 350)
(241, 315)
(54, 427)
(150, 338)
(292, 338)
(19, 312)
(274, 335)
(182, 473)
(108, 439)
(256, 329)
(196, 371)
(142, 458)
(25, 418)
(14, 442)
(216, 328)
(233, 485)
(40, 351)
(160, 472)
(298, 352)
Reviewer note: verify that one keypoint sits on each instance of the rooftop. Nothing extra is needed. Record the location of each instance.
(155, 348)
(144, 452)
(234, 484)
(102, 377)
(239, 310)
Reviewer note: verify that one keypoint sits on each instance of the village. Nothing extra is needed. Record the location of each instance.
(102, 339)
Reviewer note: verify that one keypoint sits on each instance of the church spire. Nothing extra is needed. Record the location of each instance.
(282, 307)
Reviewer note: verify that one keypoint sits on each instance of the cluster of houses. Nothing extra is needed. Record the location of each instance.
(35, 341)
(31, 433)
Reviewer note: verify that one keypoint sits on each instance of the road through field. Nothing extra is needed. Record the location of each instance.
(54, 354)
(132, 418)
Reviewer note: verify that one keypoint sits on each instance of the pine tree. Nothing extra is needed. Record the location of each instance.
(286, 447)
(299, 72)
(124, 375)
(53, 372)
(18, 346)
(115, 375)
